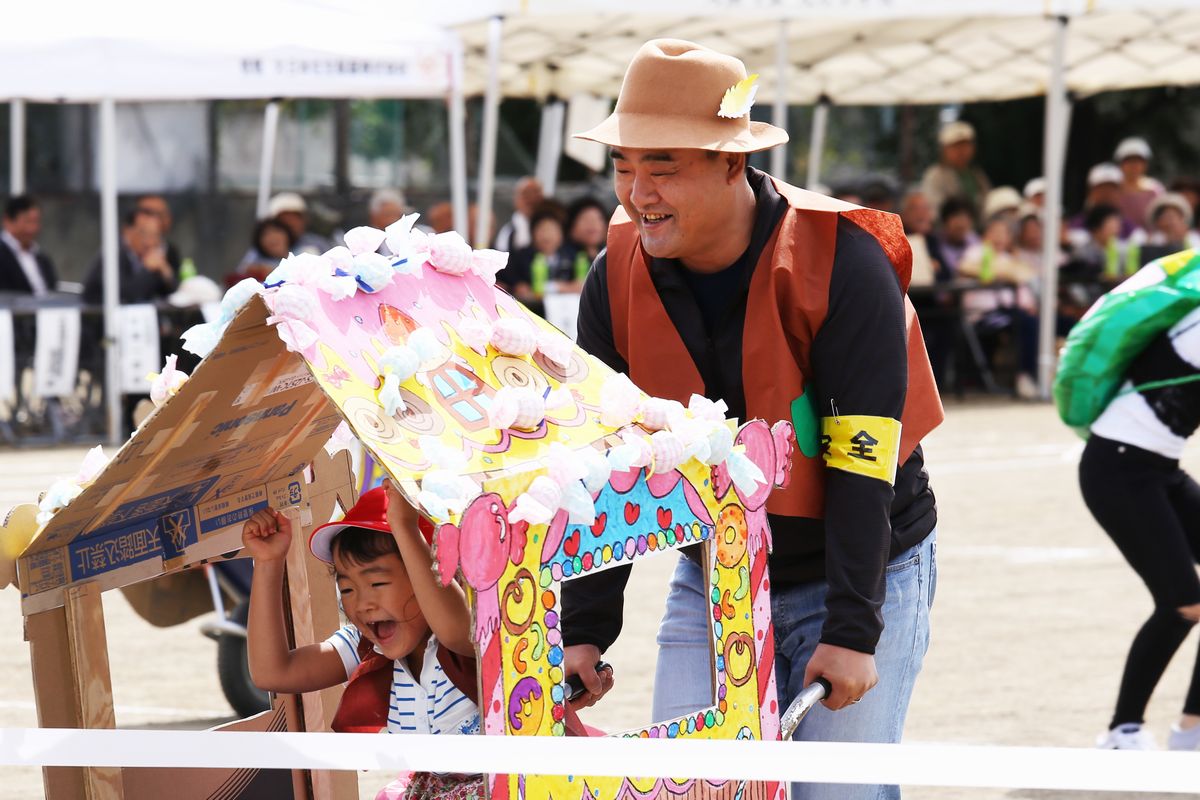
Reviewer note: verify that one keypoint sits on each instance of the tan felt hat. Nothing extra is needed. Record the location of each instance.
(674, 95)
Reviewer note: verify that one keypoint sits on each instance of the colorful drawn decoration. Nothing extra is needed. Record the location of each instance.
(537, 464)
(638, 513)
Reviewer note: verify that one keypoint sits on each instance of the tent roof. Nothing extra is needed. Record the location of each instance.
(859, 52)
(220, 49)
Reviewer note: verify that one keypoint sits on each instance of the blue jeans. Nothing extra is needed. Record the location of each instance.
(684, 678)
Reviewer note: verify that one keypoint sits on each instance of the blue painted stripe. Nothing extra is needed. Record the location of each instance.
(442, 713)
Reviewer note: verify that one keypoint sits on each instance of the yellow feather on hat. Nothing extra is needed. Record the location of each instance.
(739, 98)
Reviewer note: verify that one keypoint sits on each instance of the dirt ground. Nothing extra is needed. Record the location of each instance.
(1033, 615)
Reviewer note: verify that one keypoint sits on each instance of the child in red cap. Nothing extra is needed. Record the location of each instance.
(407, 651)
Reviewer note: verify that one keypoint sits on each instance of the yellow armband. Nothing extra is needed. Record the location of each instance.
(868, 446)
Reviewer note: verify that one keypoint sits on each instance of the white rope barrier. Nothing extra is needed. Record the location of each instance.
(822, 762)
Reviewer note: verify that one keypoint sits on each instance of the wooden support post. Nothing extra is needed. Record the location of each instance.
(72, 686)
(314, 617)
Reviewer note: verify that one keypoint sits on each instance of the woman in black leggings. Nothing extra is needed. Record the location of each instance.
(1134, 487)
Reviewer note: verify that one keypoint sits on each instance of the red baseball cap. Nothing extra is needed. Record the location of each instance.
(369, 512)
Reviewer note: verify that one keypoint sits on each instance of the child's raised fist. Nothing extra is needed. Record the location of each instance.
(267, 535)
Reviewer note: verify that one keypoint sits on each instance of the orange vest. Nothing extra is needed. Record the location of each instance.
(789, 296)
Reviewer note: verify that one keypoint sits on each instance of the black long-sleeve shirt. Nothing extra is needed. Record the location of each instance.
(859, 365)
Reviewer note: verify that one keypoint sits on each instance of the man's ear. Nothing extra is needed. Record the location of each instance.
(735, 166)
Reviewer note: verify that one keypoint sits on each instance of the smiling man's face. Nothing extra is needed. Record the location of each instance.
(679, 199)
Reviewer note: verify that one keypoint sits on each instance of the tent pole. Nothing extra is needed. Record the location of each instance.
(816, 142)
(491, 127)
(267, 165)
(16, 147)
(550, 145)
(458, 144)
(108, 254)
(1054, 152)
(779, 115)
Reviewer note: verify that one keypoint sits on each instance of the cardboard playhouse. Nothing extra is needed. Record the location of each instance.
(536, 463)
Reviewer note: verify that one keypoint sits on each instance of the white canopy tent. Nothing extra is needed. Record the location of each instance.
(139, 50)
(864, 52)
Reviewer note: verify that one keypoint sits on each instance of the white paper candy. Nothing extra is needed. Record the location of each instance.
(514, 337)
(57, 497)
(428, 347)
(556, 347)
(374, 272)
(339, 287)
(475, 333)
(659, 414)
(703, 408)
(237, 296)
(486, 263)
(294, 305)
(201, 339)
(444, 493)
(668, 451)
(93, 464)
(635, 451)
(341, 439)
(539, 503)
(744, 473)
(595, 466)
(450, 253)
(522, 408)
(364, 239)
(619, 401)
(340, 258)
(165, 384)
(397, 236)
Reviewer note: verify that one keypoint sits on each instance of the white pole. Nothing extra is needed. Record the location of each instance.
(491, 128)
(16, 147)
(1054, 149)
(458, 144)
(780, 153)
(266, 167)
(112, 277)
(550, 145)
(816, 142)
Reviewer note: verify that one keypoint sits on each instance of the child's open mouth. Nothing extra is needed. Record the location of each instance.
(382, 630)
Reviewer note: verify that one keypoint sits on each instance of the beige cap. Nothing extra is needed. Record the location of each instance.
(1104, 172)
(1169, 200)
(1132, 147)
(1001, 199)
(284, 202)
(1034, 187)
(955, 132)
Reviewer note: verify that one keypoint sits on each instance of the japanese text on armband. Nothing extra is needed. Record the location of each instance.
(867, 446)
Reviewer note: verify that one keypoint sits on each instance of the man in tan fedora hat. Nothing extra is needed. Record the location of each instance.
(787, 305)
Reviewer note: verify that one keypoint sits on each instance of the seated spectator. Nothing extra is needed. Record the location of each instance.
(271, 243)
(1028, 245)
(157, 205)
(142, 268)
(547, 265)
(587, 233)
(957, 231)
(24, 268)
(955, 176)
(1101, 254)
(1138, 190)
(1007, 301)
(291, 209)
(1169, 224)
(928, 265)
(1190, 189)
(1003, 201)
(517, 232)
(1035, 192)
(936, 309)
